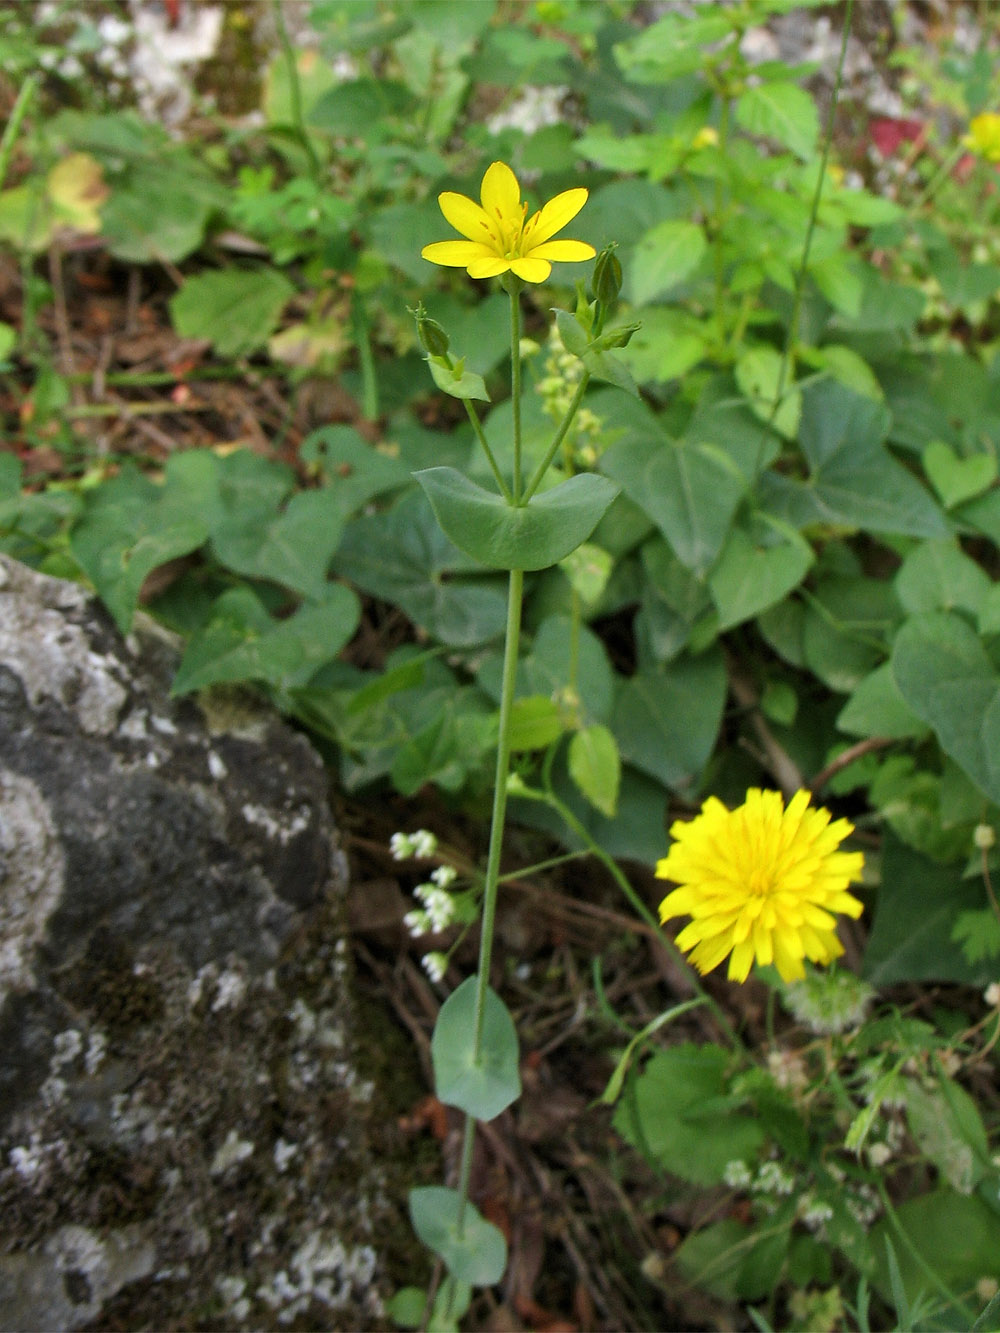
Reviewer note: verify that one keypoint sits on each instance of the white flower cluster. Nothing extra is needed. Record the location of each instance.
(813, 1212)
(437, 913)
(829, 1001)
(422, 844)
(771, 1178)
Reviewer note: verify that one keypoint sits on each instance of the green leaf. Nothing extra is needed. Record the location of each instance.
(588, 569)
(749, 577)
(946, 676)
(949, 1131)
(783, 112)
(352, 107)
(477, 1255)
(132, 526)
(911, 937)
(455, 380)
(454, 741)
(954, 1236)
(854, 480)
(689, 490)
(234, 309)
(669, 343)
(485, 1087)
(939, 576)
(595, 767)
(241, 641)
(535, 723)
(679, 1117)
(958, 479)
(353, 470)
(293, 548)
(666, 721)
(502, 536)
(666, 255)
(759, 375)
(712, 1256)
(403, 557)
(876, 708)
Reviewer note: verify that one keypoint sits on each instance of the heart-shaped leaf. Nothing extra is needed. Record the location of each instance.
(476, 1253)
(958, 479)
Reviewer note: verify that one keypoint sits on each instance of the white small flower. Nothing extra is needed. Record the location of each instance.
(879, 1153)
(444, 875)
(771, 1179)
(435, 965)
(992, 995)
(400, 846)
(424, 843)
(737, 1175)
(417, 923)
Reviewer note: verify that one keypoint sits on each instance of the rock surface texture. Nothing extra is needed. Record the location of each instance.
(181, 1120)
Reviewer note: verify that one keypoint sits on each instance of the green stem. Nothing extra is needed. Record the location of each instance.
(514, 288)
(491, 891)
(934, 184)
(515, 595)
(295, 89)
(638, 906)
(13, 125)
(477, 426)
(560, 435)
(720, 211)
(366, 360)
(791, 340)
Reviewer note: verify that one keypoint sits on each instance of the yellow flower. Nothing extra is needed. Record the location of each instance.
(499, 238)
(984, 136)
(760, 882)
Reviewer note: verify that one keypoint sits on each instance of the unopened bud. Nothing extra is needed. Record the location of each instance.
(984, 837)
(620, 337)
(433, 338)
(607, 282)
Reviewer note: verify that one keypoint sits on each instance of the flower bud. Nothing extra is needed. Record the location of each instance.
(433, 338)
(607, 282)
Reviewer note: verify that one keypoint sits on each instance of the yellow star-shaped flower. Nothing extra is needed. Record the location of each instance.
(500, 238)
(761, 883)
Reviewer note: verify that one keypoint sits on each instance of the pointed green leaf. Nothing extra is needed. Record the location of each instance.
(690, 491)
(235, 309)
(946, 676)
(596, 768)
(783, 112)
(456, 380)
(958, 479)
(485, 1087)
(502, 536)
(477, 1254)
(292, 548)
(242, 642)
(666, 721)
(749, 578)
(666, 255)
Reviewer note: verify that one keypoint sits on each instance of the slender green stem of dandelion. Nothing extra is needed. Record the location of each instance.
(560, 435)
(638, 906)
(791, 340)
(720, 210)
(477, 426)
(295, 89)
(515, 383)
(14, 120)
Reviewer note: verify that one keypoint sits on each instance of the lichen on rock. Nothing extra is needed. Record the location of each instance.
(182, 1127)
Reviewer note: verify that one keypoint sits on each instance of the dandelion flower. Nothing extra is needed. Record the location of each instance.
(984, 136)
(761, 883)
(501, 238)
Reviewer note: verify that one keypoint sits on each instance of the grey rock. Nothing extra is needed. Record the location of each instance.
(181, 1120)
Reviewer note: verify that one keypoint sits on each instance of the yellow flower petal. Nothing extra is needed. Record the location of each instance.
(467, 217)
(502, 241)
(563, 252)
(760, 883)
(531, 269)
(489, 266)
(554, 216)
(501, 194)
(454, 254)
